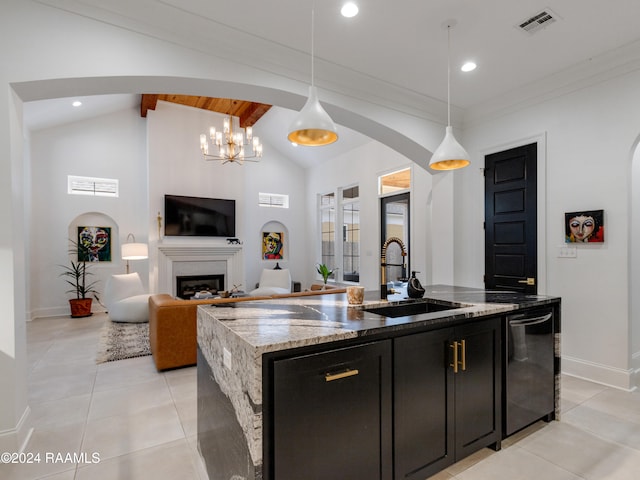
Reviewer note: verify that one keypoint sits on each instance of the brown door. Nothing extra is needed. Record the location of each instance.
(510, 220)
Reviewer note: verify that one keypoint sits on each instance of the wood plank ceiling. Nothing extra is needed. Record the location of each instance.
(248, 112)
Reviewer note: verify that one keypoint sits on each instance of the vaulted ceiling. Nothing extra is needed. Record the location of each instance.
(394, 54)
(248, 112)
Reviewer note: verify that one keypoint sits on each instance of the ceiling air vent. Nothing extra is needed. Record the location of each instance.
(538, 21)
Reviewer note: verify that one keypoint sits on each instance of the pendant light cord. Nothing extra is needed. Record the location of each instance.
(448, 75)
(312, 42)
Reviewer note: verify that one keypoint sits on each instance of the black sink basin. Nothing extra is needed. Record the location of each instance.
(408, 309)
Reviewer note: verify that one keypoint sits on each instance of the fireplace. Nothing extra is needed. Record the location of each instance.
(196, 259)
(188, 285)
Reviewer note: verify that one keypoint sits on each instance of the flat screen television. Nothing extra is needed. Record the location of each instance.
(199, 217)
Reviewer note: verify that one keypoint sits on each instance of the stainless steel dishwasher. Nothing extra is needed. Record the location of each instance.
(529, 373)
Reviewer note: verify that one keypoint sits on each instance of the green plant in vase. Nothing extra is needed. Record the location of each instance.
(75, 274)
(323, 270)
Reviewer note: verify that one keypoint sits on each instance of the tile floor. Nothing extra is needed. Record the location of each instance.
(142, 423)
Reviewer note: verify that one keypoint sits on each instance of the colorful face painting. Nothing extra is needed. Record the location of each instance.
(272, 246)
(94, 244)
(584, 227)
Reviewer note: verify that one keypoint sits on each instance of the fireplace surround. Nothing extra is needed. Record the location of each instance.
(186, 259)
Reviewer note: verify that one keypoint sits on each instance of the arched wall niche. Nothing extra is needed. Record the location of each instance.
(97, 219)
(273, 232)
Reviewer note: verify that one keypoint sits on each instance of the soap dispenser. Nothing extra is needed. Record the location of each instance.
(414, 288)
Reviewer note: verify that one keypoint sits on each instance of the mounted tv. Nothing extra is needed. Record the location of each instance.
(199, 217)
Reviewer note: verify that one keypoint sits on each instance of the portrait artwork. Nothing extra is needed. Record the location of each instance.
(94, 244)
(272, 245)
(584, 227)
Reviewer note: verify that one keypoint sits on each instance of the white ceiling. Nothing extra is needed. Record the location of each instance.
(399, 44)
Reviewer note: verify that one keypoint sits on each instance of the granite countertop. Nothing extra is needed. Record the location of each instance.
(281, 324)
(234, 337)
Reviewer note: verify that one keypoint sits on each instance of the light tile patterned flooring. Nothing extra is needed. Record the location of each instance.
(143, 423)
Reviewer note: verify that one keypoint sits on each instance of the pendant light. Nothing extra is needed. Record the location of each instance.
(450, 155)
(313, 126)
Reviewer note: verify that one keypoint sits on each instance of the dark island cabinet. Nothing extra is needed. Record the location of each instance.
(332, 414)
(447, 396)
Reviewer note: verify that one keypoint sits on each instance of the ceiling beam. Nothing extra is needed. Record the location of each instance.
(147, 103)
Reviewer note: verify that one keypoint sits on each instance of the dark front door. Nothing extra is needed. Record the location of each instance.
(510, 220)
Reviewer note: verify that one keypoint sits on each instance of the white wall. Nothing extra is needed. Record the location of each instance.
(590, 136)
(111, 146)
(362, 166)
(176, 167)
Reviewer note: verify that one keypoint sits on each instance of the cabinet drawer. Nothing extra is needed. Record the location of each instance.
(333, 414)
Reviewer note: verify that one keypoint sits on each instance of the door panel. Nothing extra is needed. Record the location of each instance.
(510, 220)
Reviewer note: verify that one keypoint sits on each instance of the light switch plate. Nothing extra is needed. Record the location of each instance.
(567, 251)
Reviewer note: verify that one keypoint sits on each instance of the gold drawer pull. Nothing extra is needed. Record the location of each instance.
(463, 344)
(330, 377)
(454, 345)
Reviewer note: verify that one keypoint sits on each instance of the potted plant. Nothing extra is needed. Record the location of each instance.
(76, 275)
(323, 270)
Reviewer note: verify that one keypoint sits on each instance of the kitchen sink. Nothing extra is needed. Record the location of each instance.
(408, 309)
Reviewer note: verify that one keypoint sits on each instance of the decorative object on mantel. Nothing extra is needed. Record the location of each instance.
(133, 250)
(234, 241)
(123, 340)
(231, 144)
(586, 226)
(313, 126)
(450, 155)
(76, 275)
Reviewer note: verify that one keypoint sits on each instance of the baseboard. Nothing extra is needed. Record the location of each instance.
(635, 366)
(59, 311)
(16, 439)
(598, 373)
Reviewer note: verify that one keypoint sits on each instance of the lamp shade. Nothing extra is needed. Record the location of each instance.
(134, 251)
(313, 126)
(450, 155)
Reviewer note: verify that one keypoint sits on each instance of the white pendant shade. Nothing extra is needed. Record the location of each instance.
(313, 126)
(450, 155)
(134, 251)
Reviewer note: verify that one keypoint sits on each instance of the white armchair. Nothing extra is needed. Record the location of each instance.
(272, 282)
(125, 299)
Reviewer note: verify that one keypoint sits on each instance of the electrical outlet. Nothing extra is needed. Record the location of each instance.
(567, 251)
(226, 358)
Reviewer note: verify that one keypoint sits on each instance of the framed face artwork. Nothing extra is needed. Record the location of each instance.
(272, 245)
(584, 227)
(94, 244)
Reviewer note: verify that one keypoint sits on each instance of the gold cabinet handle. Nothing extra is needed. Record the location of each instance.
(330, 377)
(528, 281)
(463, 345)
(454, 345)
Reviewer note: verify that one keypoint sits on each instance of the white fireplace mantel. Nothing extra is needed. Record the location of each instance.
(171, 255)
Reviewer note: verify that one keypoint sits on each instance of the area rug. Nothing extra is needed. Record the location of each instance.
(123, 340)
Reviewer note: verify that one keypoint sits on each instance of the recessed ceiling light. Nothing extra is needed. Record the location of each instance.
(349, 10)
(77, 103)
(468, 67)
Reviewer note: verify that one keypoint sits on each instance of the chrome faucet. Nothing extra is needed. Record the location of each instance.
(384, 292)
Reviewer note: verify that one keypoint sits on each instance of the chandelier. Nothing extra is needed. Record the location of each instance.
(231, 144)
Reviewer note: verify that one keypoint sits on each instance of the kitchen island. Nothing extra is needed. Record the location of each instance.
(316, 388)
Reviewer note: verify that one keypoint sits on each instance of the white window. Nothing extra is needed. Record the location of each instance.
(99, 187)
(277, 200)
(339, 214)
